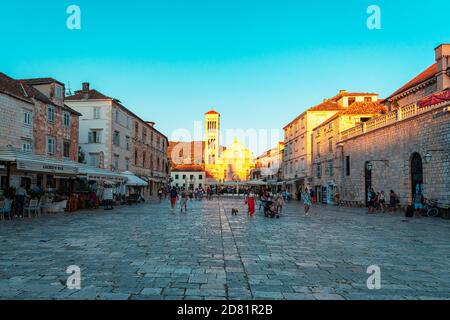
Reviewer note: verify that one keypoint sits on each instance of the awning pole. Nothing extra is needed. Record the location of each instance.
(8, 177)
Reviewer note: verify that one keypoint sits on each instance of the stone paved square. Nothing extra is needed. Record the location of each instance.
(151, 252)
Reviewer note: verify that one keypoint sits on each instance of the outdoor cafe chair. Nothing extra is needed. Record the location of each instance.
(44, 205)
(33, 207)
(5, 209)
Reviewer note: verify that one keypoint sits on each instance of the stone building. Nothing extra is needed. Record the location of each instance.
(55, 125)
(17, 114)
(150, 158)
(221, 164)
(297, 159)
(192, 152)
(188, 176)
(36, 122)
(114, 138)
(212, 138)
(235, 163)
(325, 154)
(268, 166)
(407, 149)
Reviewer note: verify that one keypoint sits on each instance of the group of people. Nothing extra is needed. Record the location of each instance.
(377, 201)
(274, 201)
(184, 195)
(267, 199)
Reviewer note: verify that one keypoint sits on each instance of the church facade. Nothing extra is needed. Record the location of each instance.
(232, 163)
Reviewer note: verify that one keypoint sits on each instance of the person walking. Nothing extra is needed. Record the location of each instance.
(210, 193)
(370, 197)
(173, 195)
(251, 199)
(307, 201)
(184, 200)
(19, 199)
(108, 196)
(393, 201)
(312, 195)
(382, 201)
(279, 202)
(418, 200)
(160, 194)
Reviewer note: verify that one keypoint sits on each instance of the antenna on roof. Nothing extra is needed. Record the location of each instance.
(68, 90)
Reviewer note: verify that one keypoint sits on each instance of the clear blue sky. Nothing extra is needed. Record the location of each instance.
(260, 63)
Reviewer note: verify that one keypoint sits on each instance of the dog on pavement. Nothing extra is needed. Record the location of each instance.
(234, 212)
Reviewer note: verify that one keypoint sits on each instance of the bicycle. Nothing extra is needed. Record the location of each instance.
(431, 208)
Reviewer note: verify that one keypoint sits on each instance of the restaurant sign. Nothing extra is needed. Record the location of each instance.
(100, 177)
(46, 167)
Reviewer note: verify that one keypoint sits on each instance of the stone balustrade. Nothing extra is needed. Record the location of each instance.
(397, 115)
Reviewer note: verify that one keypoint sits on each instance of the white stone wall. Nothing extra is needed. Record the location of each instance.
(87, 122)
(180, 182)
(12, 129)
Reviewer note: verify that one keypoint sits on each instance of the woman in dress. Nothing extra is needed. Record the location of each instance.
(251, 199)
(392, 201)
(184, 200)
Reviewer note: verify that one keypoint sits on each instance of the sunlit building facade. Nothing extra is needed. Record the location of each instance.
(297, 160)
(327, 152)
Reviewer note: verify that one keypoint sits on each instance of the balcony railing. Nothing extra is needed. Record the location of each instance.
(397, 115)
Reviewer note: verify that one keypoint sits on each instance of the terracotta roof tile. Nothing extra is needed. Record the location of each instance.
(38, 81)
(365, 108)
(362, 108)
(91, 94)
(327, 106)
(188, 168)
(212, 112)
(14, 88)
(429, 73)
(344, 93)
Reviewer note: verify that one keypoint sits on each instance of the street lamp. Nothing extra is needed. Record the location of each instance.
(428, 156)
(370, 165)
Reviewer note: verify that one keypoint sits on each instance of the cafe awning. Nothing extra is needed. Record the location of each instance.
(100, 175)
(133, 180)
(256, 183)
(232, 183)
(30, 162)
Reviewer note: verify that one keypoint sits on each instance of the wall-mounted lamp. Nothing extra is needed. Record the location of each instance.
(370, 165)
(428, 156)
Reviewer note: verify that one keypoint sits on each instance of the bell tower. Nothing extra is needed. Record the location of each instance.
(212, 129)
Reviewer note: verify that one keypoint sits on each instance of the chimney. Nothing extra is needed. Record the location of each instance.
(85, 87)
(342, 91)
(443, 66)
